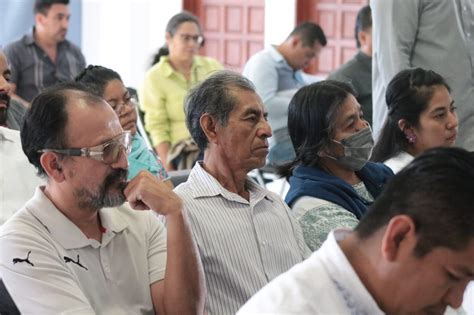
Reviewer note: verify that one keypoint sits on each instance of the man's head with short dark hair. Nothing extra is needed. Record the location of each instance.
(414, 248)
(310, 33)
(363, 22)
(51, 20)
(45, 122)
(436, 191)
(303, 45)
(363, 30)
(42, 6)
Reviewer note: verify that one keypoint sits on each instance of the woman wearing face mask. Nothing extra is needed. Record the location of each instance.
(177, 69)
(331, 181)
(421, 116)
(107, 84)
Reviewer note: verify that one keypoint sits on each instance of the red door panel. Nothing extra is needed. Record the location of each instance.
(233, 29)
(337, 18)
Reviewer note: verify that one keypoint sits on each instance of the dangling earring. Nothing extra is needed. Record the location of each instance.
(411, 138)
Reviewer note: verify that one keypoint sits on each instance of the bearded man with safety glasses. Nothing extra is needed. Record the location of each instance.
(75, 247)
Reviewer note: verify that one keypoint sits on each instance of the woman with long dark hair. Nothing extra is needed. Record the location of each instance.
(421, 116)
(331, 181)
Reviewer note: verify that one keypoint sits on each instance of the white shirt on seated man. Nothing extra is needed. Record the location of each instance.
(18, 180)
(408, 255)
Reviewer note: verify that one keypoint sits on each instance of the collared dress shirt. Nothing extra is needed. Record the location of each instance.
(243, 244)
(323, 284)
(50, 267)
(33, 70)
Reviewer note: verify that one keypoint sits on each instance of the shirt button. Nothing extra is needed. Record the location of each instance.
(264, 243)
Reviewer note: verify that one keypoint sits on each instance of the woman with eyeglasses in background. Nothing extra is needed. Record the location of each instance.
(331, 181)
(177, 69)
(107, 84)
(421, 116)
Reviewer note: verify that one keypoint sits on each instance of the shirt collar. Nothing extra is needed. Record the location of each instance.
(203, 184)
(29, 38)
(344, 276)
(275, 54)
(65, 231)
(9, 134)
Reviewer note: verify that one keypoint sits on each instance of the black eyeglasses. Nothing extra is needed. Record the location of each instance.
(198, 39)
(108, 152)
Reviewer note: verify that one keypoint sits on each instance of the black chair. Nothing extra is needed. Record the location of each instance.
(7, 306)
(178, 177)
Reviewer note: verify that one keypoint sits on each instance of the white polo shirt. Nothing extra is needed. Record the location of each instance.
(65, 272)
(18, 179)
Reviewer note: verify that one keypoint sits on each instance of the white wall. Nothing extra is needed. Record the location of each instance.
(124, 34)
(280, 20)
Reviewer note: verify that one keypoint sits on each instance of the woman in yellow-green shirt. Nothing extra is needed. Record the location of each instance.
(168, 81)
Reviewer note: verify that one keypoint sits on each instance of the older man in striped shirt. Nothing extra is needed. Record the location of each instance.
(245, 234)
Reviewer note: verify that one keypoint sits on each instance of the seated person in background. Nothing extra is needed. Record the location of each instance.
(410, 255)
(277, 74)
(331, 182)
(420, 116)
(358, 70)
(177, 69)
(17, 180)
(245, 233)
(75, 247)
(11, 112)
(107, 84)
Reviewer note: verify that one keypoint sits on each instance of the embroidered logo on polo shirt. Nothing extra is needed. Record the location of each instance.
(67, 260)
(27, 259)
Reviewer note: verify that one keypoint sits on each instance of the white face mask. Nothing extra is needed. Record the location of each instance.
(357, 149)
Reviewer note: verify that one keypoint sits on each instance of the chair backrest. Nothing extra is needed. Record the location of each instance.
(178, 177)
(7, 306)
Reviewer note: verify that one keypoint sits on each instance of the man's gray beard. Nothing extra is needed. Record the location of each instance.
(89, 200)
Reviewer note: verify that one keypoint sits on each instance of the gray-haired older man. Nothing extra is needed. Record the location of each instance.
(245, 234)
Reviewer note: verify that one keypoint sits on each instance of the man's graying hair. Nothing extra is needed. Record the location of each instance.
(215, 96)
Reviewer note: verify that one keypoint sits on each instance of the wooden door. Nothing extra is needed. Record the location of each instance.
(233, 29)
(337, 18)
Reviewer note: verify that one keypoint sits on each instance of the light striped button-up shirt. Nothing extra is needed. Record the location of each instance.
(243, 244)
